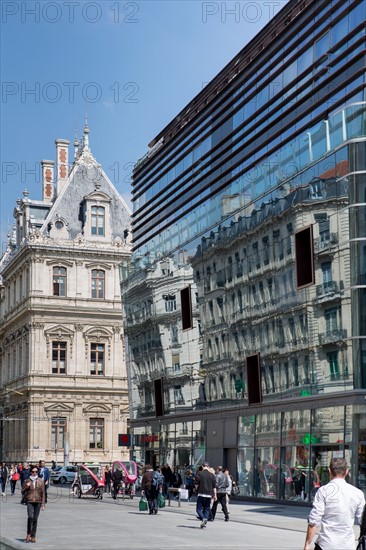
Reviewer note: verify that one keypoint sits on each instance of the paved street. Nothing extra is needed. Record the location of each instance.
(91, 524)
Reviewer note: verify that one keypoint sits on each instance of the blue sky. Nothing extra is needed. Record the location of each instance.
(132, 65)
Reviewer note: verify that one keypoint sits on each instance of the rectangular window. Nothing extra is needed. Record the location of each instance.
(59, 281)
(158, 394)
(178, 395)
(254, 382)
(327, 275)
(332, 358)
(98, 280)
(96, 433)
(170, 302)
(59, 357)
(97, 359)
(58, 430)
(304, 247)
(331, 320)
(186, 307)
(97, 220)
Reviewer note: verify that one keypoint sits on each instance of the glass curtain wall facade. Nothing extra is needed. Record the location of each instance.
(244, 302)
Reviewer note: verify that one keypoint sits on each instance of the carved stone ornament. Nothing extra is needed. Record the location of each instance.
(79, 239)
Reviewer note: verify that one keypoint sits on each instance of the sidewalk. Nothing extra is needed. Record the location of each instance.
(89, 524)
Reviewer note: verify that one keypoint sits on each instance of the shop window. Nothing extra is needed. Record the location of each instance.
(97, 359)
(59, 357)
(96, 433)
(59, 281)
(58, 431)
(304, 257)
(98, 283)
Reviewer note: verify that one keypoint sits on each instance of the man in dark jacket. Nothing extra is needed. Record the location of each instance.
(168, 478)
(44, 474)
(222, 483)
(149, 490)
(117, 479)
(206, 490)
(24, 475)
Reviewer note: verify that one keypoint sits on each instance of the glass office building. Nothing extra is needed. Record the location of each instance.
(245, 300)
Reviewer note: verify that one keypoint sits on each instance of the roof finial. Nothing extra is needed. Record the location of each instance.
(86, 134)
(76, 145)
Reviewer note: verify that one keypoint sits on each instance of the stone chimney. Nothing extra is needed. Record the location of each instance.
(62, 160)
(48, 189)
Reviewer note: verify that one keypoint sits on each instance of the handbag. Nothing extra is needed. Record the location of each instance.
(161, 500)
(235, 490)
(15, 476)
(361, 543)
(143, 504)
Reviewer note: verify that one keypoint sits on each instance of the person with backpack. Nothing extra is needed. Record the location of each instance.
(151, 484)
(117, 479)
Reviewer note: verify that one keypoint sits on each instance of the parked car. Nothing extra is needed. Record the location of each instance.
(63, 474)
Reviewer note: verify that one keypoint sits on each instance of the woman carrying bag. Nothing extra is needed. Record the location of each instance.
(14, 476)
(34, 496)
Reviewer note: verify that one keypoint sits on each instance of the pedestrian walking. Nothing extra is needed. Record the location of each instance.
(222, 483)
(335, 507)
(206, 490)
(34, 495)
(3, 477)
(44, 473)
(24, 475)
(117, 479)
(168, 479)
(14, 476)
(107, 479)
(228, 489)
(189, 484)
(150, 489)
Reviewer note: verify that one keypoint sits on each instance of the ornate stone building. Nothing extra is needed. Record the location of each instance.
(63, 378)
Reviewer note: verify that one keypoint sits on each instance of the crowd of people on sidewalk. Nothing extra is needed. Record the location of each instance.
(335, 506)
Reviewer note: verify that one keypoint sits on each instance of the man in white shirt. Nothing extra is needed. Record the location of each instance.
(335, 507)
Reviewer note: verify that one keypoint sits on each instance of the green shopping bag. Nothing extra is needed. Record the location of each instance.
(161, 500)
(143, 504)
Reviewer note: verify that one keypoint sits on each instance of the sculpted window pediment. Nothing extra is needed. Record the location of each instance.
(97, 196)
(59, 331)
(97, 409)
(59, 408)
(98, 333)
(64, 263)
(98, 265)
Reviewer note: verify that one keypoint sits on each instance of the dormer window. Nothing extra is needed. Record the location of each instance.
(98, 221)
